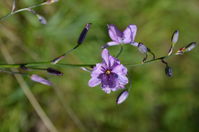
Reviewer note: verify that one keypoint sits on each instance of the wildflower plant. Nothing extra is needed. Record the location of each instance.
(110, 74)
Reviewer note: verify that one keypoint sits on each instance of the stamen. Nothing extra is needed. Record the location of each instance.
(108, 72)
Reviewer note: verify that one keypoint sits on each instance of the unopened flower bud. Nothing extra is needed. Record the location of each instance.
(175, 37)
(41, 80)
(41, 19)
(190, 46)
(168, 71)
(142, 48)
(54, 72)
(83, 33)
(174, 40)
(122, 97)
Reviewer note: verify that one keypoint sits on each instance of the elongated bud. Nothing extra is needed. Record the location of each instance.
(175, 36)
(188, 48)
(83, 33)
(122, 97)
(54, 72)
(174, 40)
(168, 71)
(41, 80)
(41, 19)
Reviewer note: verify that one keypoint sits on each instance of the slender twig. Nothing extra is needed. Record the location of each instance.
(28, 93)
(21, 10)
(120, 51)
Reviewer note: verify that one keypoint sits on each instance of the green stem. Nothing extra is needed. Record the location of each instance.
(49, 64)
(41, 64)
(149, 61)
(120, 52)
(21, 10)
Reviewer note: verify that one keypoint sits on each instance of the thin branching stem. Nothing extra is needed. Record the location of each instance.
(49, 64)
(21, 10)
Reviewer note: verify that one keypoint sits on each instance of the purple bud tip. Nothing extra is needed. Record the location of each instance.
(83, 33)
(122, 97)
(142, 48)
(88, 26)
(41, 80)
(41, 19)
(169, 71)
(54, 72)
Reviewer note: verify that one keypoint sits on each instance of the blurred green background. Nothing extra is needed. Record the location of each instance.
(156, 103)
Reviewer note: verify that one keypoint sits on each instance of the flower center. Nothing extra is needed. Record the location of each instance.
(108, 72)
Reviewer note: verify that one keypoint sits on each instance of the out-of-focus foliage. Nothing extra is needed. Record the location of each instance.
(156, 103)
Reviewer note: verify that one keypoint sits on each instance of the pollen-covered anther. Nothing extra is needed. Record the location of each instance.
(108, 72)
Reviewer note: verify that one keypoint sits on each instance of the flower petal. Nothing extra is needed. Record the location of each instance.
(129, 34)
(105, 56)
(123, 80)
(134, 44)
(97, 70)
(94, 82)
(107, 90)
(112, 43)
(114, 33)
(109, 80)
(120, 69)
(113, 62)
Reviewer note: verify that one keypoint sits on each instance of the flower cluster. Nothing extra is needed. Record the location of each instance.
(110, 74)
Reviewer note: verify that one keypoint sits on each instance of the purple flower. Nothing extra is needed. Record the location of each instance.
(110, 74)
(118, 37)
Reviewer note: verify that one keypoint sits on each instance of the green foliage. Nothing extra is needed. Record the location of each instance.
(156, 102)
